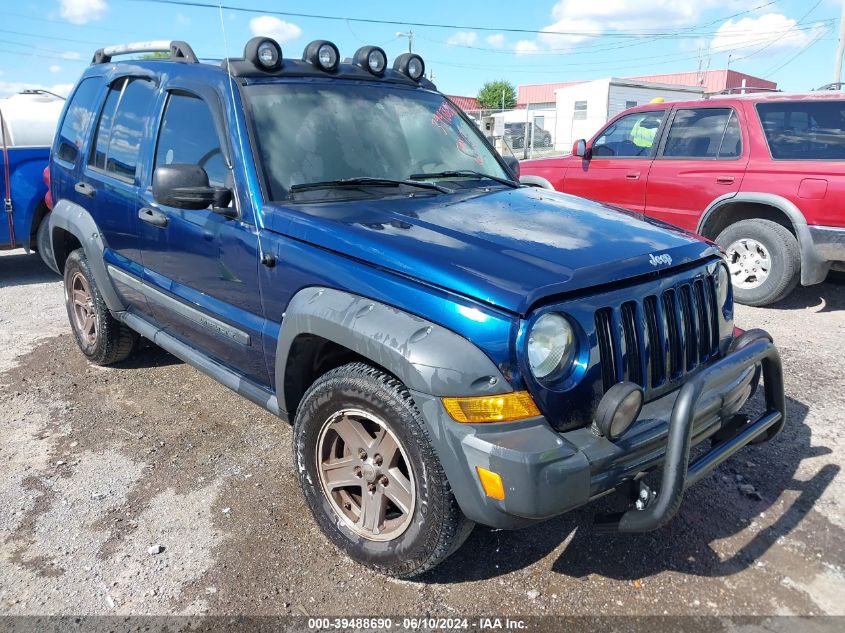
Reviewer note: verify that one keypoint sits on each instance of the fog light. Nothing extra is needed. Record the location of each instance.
(372, 59)
(264, 52)
(410, 65)
(506, 407)
(491, 482)
(618, 409)
(322, 54)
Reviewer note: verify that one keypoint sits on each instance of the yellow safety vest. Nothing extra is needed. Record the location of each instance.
(643, 136)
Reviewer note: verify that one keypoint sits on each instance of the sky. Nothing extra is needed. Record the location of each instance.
(48, 43)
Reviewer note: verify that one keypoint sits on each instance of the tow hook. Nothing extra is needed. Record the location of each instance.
(644, 496)
(639, 495)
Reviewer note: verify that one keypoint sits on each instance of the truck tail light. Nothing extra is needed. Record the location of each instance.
(48, 197)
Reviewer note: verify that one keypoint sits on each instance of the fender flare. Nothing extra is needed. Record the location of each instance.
(426, 357)
(536, 181)
(814, 269)
(78, 222)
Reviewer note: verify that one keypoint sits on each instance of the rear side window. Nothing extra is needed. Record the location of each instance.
(122, 126)
(804, 130)
(188, 135)
(704, 133)
(77, 119)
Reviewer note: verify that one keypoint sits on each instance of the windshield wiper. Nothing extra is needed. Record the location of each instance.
(365, 180)
(469, 173)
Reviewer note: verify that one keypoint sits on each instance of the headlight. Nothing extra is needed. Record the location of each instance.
(551, 344)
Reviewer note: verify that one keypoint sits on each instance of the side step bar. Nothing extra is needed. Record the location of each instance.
(237, 383)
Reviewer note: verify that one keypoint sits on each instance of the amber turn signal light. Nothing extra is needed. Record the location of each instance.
(505, 407)
(491, 482)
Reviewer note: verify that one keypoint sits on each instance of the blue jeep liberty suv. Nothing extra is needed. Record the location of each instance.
(336, 241)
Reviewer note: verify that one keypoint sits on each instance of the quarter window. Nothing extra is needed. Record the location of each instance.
(188, 136)
(122, 126)
(80, 111)
(704, 133)
(633, 135)
(804, 130)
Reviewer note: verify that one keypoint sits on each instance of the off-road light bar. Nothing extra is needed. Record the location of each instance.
(322, 54)
(372, 59)
(410, 65)
(264, 52)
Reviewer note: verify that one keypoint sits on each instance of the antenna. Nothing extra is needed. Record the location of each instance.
(259, 218)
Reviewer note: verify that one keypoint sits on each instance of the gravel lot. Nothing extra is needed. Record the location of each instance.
(148, 488)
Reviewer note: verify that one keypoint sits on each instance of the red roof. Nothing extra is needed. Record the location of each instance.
(465, 103)
(711, 80)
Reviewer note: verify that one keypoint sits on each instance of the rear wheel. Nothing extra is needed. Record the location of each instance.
(102, 338)
(763, 259)
(370, 476)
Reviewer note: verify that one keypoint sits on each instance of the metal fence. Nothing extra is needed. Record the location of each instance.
(522, 138)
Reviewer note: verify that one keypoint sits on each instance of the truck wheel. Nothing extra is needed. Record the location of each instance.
(370, 475)
(764, 260)
(102, 338)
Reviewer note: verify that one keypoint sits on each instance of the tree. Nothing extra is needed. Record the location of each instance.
(495, 95)
(156, 55)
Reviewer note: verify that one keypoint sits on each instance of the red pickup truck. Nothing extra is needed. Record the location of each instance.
(762, 174)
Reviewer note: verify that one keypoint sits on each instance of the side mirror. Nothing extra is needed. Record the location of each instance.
(513, 165)
(579, 148)
(186, 187)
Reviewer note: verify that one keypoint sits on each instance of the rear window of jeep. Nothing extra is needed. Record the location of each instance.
(804, 130)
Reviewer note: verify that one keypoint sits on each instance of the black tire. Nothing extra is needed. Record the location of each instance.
(112, 341)
(437, 526)
(785, 271)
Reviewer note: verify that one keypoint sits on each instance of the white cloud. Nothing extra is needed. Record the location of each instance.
(496, 40)
(526, 47)
(774, 31)
(463, 38)
(9, 88)
(279, 30)
(55, 68)
(82, 11)
(183, 19)
(72, 55)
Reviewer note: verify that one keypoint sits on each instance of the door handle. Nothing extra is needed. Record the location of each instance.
(85, 189)
(153, 216)
(725, 180)
(632, 175)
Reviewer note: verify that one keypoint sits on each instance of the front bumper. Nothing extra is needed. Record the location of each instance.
(546, 473)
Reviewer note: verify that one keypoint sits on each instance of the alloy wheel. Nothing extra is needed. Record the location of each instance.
(84, 313)
(749, 263)
(366, 475)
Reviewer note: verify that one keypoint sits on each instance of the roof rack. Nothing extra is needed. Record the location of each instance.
(747, 90)
(836, 85)
(179, 51)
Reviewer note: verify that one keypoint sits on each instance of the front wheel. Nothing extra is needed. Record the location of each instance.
(370, 476)
(763, 259)
(102, 338)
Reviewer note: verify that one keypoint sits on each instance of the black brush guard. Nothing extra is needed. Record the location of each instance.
(751, 349)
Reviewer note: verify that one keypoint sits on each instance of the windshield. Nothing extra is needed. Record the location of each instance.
(321, 132)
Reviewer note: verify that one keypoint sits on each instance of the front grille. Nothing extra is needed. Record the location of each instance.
(660, 338)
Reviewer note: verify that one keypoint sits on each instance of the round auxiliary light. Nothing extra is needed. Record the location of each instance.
(372, 59)
(551, 345)
(410, 65)
(322, 54)
(264, 52)
(618, 409)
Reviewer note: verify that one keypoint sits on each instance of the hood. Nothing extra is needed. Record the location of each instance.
(509, 248)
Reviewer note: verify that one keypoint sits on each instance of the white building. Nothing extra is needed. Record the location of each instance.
(582, 109)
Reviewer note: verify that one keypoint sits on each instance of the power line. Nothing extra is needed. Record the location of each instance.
(673, 34)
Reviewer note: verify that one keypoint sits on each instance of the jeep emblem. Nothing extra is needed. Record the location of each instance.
(656, 260)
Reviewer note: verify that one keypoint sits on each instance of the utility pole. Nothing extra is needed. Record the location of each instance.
(840, 49)
(410, 36)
